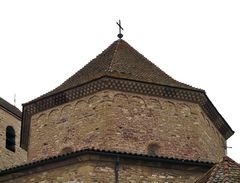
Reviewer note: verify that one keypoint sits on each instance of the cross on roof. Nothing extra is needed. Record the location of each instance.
(120, 28)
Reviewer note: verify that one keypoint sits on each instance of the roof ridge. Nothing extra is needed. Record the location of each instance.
(137, 53)
(113, 58)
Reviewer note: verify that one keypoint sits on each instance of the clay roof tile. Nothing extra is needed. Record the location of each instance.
(225, 171)
(122, 61)
(10, 108)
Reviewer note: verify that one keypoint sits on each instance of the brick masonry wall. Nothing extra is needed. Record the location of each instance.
(92, 168)
(80, 173)
(9, 158)
(126, 122)
(139, 173)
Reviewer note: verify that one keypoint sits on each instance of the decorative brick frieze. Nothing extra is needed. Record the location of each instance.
(126, 122)
(124, 85)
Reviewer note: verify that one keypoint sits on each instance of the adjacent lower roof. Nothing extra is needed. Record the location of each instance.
(10, 108)
(93, 151)
(225, 171)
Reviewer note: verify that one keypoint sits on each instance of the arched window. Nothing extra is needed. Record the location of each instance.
(10, 138)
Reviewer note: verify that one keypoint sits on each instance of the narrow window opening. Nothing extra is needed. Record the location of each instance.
(66, 150)
(153, 149)
(10, 138)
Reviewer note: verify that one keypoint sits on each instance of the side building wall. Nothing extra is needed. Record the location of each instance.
(126, 122)
(10, 158)
(92, 168)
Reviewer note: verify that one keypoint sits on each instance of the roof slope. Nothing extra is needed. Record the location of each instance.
(10, 108)
(225, 171)
(122, 61)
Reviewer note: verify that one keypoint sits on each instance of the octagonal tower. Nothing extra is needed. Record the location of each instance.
(122, 102)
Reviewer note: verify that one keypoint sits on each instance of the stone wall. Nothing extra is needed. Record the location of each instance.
(142, 173)
(92, 168)
(80, 173)
(126, 122)
(9, 158)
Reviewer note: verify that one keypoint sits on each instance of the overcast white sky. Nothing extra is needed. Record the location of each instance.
(42, 43)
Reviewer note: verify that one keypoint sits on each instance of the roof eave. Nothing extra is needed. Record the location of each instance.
(92, 151)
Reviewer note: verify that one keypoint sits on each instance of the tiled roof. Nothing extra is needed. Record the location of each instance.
(225, 171)
(10, 108)
(122, 61)
(104, 153)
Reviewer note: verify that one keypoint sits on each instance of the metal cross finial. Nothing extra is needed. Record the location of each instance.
(120, 28)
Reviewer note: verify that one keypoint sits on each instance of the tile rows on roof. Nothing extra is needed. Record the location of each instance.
(225, 171)
(122, 61)
(10, 108)
(101, 152)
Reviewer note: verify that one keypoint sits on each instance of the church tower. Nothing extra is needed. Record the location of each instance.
(120, 119)
(10, 126)
(122, 102)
